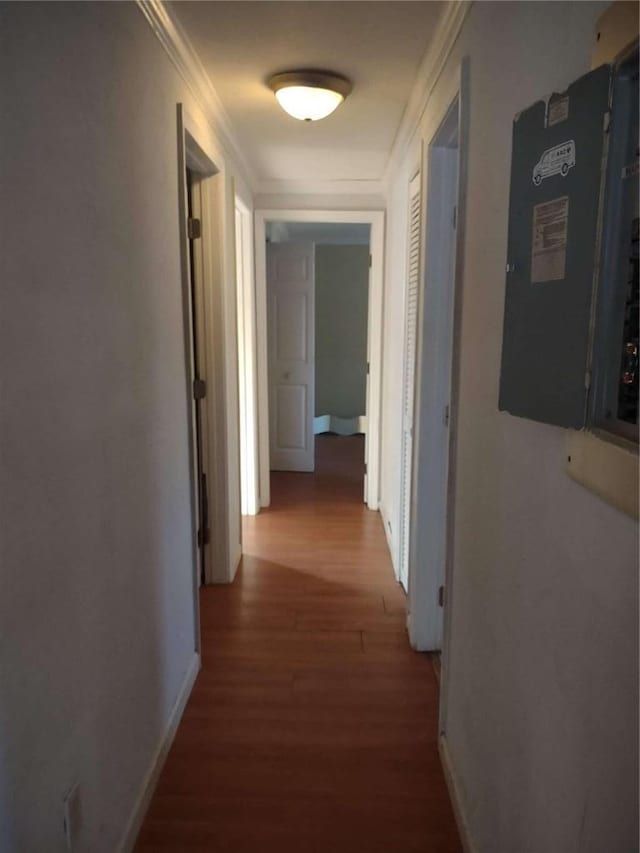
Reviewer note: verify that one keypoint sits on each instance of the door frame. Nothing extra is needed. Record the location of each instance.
(464, 120)
(433, 503)
(199, 151)
(247, 362)
(376, 219)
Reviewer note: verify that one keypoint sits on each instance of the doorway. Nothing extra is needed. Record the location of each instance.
(317, 317)
(435, 403)
(211, 415)
(247, 362)
(281, 417)
(199, 382)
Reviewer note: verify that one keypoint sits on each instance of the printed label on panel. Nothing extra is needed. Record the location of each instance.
(558, 111)
(549, 244)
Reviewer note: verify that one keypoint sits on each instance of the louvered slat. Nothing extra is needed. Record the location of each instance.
(411, 317)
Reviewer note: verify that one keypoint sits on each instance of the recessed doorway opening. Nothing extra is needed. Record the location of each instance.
(319, 290)
(317, 305)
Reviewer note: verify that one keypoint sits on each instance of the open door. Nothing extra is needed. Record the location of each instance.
(291, 347)
(194, 206)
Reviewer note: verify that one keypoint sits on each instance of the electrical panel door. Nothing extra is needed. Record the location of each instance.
(554, 208)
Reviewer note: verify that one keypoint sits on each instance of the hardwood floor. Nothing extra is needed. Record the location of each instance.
(312, 726)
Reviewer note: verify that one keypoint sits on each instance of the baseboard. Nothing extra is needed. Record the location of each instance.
(389, 538)
(153, 774)
(236, 556)
(341, 426)
(454, 792)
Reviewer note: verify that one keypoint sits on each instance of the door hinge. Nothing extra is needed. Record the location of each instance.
(606, 121)
(194, 228)
(441, 596)
(365, 467)
(203, 537)
(446, 415)
(367, 368)
(370, 261)
(199, 389)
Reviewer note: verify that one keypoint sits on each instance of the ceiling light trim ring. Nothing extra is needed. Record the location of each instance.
(313, 79)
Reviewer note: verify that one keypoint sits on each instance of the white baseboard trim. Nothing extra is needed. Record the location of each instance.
(389, 538)
(454, 792)
(235, 561)
(153, 774)
(341, 426)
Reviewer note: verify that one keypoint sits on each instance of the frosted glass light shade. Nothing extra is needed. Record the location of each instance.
(308, 103)
(309, 95)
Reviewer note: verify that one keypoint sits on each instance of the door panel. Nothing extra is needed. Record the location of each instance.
(291, 408)
(291, 339)
(291, 331)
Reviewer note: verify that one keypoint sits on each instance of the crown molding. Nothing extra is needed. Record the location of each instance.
(431, 67)
(183, 55)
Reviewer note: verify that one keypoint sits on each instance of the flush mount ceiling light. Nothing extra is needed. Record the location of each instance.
(309, 95)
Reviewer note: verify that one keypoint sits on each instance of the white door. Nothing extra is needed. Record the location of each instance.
(291, 342)
(408, 390)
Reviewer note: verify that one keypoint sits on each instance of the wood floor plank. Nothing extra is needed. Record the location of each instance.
(312, 727)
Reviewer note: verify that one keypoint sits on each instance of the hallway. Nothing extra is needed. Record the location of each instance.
(312, 726)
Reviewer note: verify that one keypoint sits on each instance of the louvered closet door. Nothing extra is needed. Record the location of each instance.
(411, 321)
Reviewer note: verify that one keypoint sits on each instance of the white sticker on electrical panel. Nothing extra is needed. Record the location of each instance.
(555, 161)
(558, 111)
(549, 241)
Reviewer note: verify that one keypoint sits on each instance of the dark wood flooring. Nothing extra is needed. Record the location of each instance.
(312, 726)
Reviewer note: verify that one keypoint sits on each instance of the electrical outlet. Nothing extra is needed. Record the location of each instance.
(72, 816)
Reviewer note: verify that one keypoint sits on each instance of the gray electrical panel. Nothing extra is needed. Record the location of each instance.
(556, 184)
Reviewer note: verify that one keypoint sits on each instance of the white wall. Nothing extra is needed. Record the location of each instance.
(96, 606)
(542, 706)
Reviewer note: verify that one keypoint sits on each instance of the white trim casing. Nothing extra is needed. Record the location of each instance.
(376, 219)
(435, 420)
(426, 546)
(247, 364)
(198, 149)
(228, 356)
(150, 781)
(463, 154)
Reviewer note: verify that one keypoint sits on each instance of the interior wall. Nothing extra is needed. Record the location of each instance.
(96, 604)
(342, 285)
(542, 724)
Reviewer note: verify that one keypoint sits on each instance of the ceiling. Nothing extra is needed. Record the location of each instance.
(378, 45)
